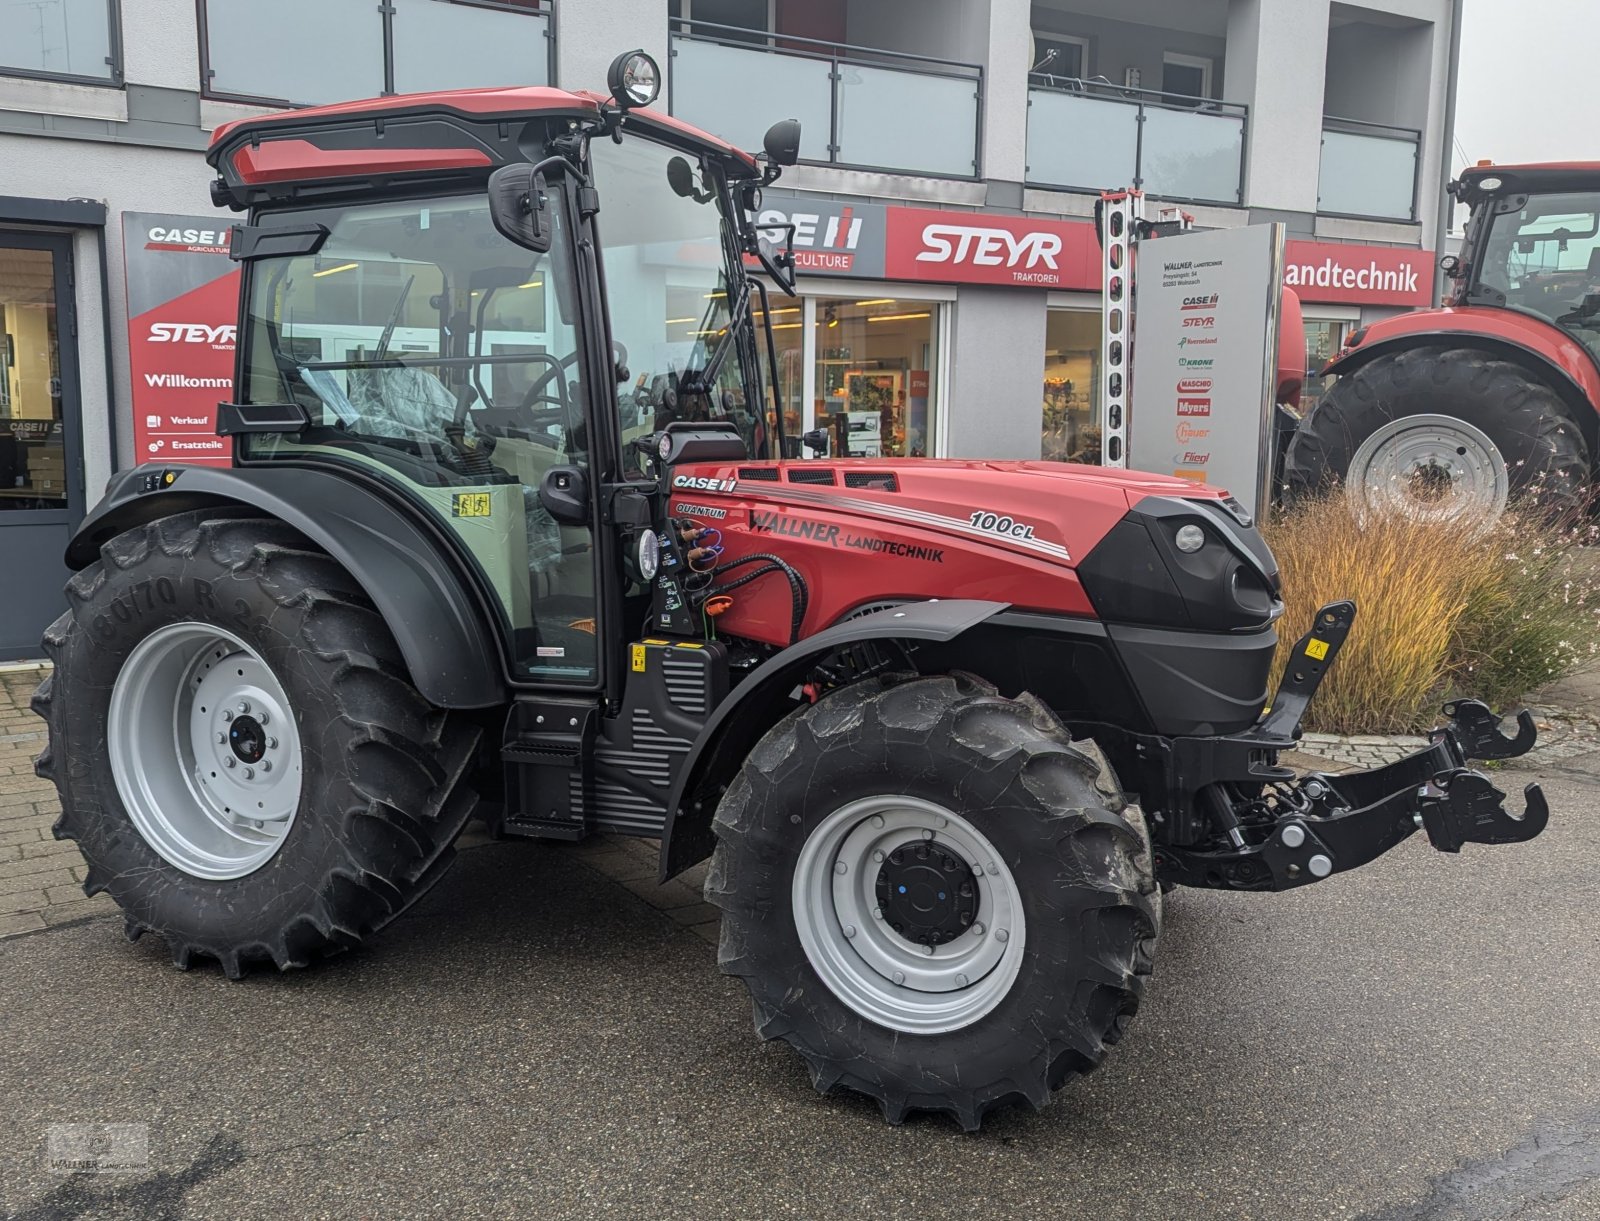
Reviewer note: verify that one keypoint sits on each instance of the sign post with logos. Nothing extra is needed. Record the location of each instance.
(183, 294)
(1205, 358)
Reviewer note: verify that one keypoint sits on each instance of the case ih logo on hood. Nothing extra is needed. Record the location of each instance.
(1195, 385)
(1200, 303)
(704, 484)
(192, 332)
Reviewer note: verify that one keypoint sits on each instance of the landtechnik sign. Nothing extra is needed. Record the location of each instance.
(183, 293)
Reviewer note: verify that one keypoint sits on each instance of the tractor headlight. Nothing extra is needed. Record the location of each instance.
(648, 555)
(1189, 539)
(634, 79)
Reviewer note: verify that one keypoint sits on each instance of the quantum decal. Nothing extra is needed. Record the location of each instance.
(689, 510)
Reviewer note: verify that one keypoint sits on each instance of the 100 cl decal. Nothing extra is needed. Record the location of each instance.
(993, 523)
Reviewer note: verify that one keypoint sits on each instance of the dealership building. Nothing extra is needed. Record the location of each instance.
(952, 152)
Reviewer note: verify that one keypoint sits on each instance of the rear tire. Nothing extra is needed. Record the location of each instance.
(379, 797)
(1429, 471)
(1064, 962)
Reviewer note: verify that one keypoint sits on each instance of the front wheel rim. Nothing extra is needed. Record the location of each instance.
(886, 934)
(205, 751)
(1430, 469)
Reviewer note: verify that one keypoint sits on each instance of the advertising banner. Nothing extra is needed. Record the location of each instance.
(1359, 275)
(983, 248)
(1205, 349)
(183, 295)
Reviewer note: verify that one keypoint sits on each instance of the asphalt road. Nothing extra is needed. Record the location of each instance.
(1420, 1039)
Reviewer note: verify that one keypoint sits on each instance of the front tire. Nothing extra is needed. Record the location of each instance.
(835, 844)
(1441, 435)
(239, 753)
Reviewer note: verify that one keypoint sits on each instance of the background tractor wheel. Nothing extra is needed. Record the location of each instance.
(1440, 434)
(239, 753)
(929, 898)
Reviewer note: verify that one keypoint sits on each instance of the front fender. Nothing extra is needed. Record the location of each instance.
(421, 590)
(752, 708)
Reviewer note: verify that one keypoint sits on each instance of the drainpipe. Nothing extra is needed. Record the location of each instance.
(1448, 152)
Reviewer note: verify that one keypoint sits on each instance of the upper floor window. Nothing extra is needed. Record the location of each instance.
(72, 40)
(258, 52)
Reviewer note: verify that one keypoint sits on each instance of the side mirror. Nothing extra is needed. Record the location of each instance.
(782, 142)
(518, 207)
(777, 261)
(816, 441)
(564, 493)
(680, 177)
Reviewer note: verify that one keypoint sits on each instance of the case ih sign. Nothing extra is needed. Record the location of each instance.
(936, 246)
(183, 296)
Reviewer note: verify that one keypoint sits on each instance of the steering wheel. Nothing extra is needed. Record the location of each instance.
(558, 369)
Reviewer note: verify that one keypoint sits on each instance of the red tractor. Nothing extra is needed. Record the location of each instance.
(1450, 411)
(514, 531)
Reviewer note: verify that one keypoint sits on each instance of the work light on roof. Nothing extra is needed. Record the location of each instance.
(634, 79)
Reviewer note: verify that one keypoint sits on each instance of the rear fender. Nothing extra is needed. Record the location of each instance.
(752, 708)
(1543, 350)
(421, 590)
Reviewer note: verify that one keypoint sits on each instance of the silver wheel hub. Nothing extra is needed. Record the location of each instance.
(1431, 469)
(205, 751)
(908, 914)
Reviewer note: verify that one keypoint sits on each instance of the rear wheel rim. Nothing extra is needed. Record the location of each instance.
(885, 861)
(205, 751)
(1431, 469)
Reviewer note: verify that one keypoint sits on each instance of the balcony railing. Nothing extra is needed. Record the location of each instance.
(1094, 136)
(1368, 170)
(858, 107)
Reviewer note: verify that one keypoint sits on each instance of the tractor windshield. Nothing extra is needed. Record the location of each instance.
(1545, 259)
(675, 290)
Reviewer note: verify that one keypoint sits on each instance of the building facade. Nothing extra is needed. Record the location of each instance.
(951, 156)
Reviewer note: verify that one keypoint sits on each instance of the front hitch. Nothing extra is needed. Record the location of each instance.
(1285, 832)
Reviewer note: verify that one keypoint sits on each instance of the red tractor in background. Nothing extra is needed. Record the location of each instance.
(1451, 411)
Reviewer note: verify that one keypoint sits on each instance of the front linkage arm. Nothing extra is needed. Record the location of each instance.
(1283, 832)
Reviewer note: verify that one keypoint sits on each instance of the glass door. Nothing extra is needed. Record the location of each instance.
(41, 493)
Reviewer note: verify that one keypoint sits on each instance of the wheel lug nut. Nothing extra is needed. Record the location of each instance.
(877, 857)
(877, 820)
(927, 949)
(899, 977)
(977, 930)
(249, 773)
(266, 765)
(229, 762)
(227, 714)
(1001, 935)
(272, 743)
(849, 930)
(264, 716)
(221, 738)
(961, 981)
(926, 834)
(840, 867)
(877, 913)
(244, 706)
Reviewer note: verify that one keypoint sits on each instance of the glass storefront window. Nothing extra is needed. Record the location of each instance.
(874, 391)
(1070, 427)
(33, 459)
(1324, 337)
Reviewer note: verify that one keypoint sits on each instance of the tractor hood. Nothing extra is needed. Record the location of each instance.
(1066, 539)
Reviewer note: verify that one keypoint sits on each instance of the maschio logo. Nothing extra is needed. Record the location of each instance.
(1194, 406)
(1195, 385)
(1200, 303)
(192, 332)
(1186, 432)
(982, 246)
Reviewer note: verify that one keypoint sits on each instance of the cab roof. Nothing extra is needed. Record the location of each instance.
(450, 133)
(1538, 176)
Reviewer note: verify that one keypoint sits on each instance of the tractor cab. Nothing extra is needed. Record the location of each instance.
(1533, 244)
(471, 301)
